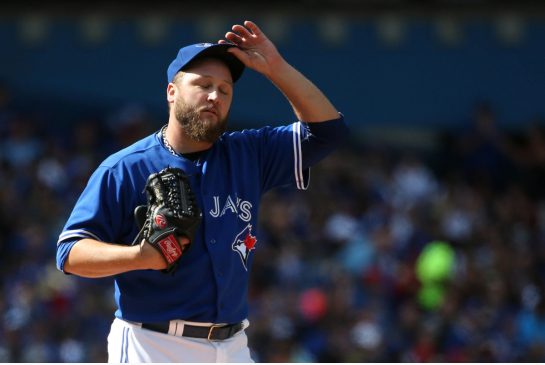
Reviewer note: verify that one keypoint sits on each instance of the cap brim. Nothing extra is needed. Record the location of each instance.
(219, 51)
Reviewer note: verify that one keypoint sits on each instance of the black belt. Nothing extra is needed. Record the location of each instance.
(213, 333)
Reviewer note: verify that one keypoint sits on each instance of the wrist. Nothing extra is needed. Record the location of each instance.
(278, 68)
(138, 257)
(147, 257)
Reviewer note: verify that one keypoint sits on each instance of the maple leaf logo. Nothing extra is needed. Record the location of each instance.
(244, 243)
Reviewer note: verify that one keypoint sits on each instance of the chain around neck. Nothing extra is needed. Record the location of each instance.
(165, 141)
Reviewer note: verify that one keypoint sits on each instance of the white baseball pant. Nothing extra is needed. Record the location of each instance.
(129, 342)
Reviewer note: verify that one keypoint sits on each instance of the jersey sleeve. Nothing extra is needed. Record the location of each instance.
(96, 214)
(63, 249)
(288, 152)
(320, 139)
(279, 156)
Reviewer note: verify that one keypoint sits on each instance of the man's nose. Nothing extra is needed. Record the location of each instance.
(213, 96)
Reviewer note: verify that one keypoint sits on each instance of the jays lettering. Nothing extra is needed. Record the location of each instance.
(242, 208)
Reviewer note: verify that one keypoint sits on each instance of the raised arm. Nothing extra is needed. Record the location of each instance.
(257, 52)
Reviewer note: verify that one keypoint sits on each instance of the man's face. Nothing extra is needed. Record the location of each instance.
(202, 99)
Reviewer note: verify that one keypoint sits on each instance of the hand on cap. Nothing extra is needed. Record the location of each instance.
(255, 50)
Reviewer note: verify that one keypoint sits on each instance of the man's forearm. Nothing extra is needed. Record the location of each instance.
(95, 259)
(307, 100)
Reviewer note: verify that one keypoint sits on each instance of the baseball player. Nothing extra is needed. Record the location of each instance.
(197, 313)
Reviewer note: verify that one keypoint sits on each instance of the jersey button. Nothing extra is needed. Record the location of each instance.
(212, 241)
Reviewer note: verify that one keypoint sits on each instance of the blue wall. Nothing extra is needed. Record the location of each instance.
(420, 81)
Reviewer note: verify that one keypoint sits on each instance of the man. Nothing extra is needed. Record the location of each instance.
(199, 313)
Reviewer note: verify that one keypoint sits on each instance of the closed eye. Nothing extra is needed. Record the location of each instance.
(225, 91)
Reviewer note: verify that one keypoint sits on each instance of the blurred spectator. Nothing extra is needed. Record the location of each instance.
(21, 146)
(481, 149)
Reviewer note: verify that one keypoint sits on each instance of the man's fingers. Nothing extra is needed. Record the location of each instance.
(241, 34)
(253, 27)
(233, 38)
(242, 31)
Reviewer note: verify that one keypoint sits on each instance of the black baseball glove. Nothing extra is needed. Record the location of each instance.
(171, 212)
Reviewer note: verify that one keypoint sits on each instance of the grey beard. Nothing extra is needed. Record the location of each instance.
(194, 127)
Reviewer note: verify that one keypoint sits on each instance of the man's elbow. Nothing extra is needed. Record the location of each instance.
(333, 133)
(63, 251)
(341, 134)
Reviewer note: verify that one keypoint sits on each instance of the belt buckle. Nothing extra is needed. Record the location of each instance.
(212, 330)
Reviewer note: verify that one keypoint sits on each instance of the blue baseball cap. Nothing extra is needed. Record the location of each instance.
(200, 50)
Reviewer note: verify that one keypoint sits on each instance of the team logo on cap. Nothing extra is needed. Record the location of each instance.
(244, 243)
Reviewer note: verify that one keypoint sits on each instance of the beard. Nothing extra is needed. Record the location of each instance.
(197, 129)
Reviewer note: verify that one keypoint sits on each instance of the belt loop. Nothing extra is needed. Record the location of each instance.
(172, 328)
(177, 328)
(212, 330)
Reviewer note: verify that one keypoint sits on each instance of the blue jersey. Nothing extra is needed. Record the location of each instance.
(229, 179)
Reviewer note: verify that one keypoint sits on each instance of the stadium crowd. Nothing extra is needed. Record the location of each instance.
(391, 255)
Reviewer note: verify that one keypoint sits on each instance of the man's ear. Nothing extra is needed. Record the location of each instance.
(172, 89)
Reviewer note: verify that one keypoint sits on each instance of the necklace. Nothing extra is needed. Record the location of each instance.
(195, 157)
(165, 142)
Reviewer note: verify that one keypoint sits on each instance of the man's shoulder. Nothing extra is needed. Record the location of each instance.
(132, 153)
(239, 138)
(249, 133)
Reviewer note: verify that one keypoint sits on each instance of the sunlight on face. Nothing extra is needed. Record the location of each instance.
(202, 104)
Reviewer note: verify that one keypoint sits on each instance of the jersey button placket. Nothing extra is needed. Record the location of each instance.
(212, 241)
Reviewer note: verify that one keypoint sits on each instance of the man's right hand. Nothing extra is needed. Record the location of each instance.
(152, 259)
